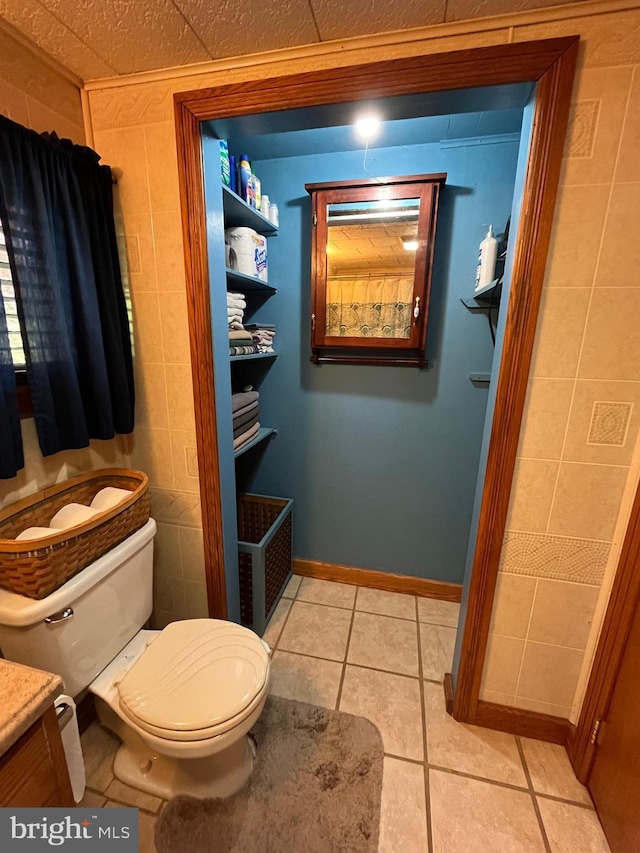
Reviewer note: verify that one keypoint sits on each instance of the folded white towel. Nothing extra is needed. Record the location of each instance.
(109, 497)
(72, 515)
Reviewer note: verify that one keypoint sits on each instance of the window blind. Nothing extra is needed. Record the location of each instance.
(10, 308)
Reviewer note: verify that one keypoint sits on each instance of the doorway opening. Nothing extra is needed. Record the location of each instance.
(548, 65)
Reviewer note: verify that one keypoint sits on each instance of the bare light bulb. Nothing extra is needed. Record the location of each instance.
(367, 126)
(410, 245)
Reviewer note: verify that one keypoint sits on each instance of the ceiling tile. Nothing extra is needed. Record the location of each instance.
(134, 36)
(43, 28)
(460, 10)
(337, 19)
(234, 28)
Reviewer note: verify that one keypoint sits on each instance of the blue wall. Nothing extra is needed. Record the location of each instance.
(382, 461)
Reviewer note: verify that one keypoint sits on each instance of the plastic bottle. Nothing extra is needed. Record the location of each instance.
(274, 216)
(224, 163)
(244, 173)
(264, 206)
(487, 255)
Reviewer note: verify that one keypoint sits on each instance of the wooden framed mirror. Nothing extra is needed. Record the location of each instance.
(371, 264)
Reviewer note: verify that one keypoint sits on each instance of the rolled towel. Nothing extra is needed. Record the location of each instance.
(36, 533)
(72, 515)
(239, 335)
(241, 430)
(246, 436)
(109, 497)
(242, 399)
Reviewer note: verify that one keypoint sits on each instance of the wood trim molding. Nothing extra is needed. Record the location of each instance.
(194, 234)
(553, 98)
(623, 603)
(422, 587)
(517, 721)
(448, 693)
(551, 64)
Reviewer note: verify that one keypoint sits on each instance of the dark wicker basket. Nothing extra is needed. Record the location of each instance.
(264, 555)
(36, 567)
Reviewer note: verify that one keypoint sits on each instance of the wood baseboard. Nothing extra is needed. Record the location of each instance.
(517, 721)
(378, 580)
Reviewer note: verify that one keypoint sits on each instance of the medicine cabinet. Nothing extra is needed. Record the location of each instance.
(371, 265)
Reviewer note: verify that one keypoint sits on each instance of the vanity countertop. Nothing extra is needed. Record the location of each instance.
(26, 694)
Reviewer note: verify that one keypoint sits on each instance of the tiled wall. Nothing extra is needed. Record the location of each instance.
(36, 96)
(583, 408)
(574, 455)
(164, 443)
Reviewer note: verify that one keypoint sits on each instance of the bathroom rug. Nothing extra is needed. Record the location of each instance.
(315, 788)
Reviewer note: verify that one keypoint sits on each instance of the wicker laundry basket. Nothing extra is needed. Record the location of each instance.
(264, 556)
(36, 567)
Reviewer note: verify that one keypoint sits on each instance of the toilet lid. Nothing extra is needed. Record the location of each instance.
(196, 674)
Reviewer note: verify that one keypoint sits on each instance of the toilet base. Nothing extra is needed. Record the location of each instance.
(219, 776)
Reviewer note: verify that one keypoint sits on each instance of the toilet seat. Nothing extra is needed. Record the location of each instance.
(199, 678)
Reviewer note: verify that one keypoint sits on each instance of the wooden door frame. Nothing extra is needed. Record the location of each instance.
(551, 64)
(618, 620)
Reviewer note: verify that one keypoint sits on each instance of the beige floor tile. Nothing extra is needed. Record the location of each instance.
(386, 603)
(122, 793)
(551, 771)
(403, 820)
(384, 642)
(305, 679)
(469, 749)
(327, 592)
(438, 612)
(469, 816)
(436, 643)
(276, 623)
(146, 835)
(99, 747)
(91, 800)
(572, 829)
(392, 703)
(292, 587)
(313, 629)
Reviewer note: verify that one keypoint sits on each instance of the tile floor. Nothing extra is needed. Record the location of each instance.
(447, 787)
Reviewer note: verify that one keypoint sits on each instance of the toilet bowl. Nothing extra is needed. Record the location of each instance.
(181, 700)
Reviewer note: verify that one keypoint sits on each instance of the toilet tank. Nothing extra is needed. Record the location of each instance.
(110, 600)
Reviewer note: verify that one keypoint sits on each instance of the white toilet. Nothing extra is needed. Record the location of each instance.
(182, 700)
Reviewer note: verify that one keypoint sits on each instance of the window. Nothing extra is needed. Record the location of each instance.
(15, 334)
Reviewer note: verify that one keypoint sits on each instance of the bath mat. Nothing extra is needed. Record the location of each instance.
(315, 788)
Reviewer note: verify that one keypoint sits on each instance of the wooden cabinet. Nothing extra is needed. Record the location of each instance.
(33, 772)
(372, 257)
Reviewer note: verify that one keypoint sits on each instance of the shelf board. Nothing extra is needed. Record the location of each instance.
(252, 355)
(243, 282)
(263, 432)
(487, 295)
(237, 213)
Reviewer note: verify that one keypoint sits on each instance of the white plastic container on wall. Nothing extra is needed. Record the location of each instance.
(487, 257)
(250, 250)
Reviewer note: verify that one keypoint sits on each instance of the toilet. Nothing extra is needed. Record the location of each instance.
(181, 700)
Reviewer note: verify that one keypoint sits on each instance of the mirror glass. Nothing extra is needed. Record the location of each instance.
(371, 256)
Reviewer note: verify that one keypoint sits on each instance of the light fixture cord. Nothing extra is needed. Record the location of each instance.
(364, 163)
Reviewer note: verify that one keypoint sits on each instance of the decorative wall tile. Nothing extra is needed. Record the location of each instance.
(191, 461)
(181, 508)
(582, 128)
(595, 125)
(609, 423)
(561, 557)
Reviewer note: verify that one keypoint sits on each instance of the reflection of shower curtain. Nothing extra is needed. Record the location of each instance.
(369, 306)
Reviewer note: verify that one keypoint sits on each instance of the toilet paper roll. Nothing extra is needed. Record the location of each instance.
(72, 748)
(35, 533)
(72, 515)
(109, 497)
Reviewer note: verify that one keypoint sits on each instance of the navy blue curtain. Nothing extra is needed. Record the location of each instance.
(57, 213)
